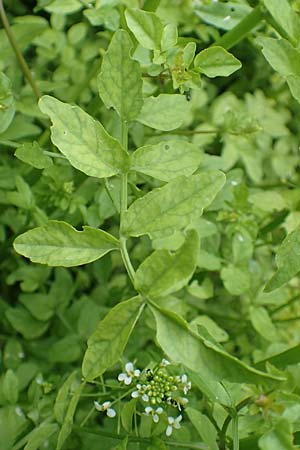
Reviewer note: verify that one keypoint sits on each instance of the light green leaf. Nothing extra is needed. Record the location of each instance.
(120, 79)
(66, 428)
(12, 426)
(174, 206)
(167, 160)
(283, 359)
(205, 428)
(40, 436)
(184, 346)
(83, 140)
(7, 103)
(165, 112)
(32, 153)
(236, 280)
(63, 397)
(285, 59)
(216, 62)
(263, 324)
(169, 37)
(222, 15)
(146, 27)
(107, 343)
(65, 7)
(286, 18)
(278, 438)
(10, 387)
(163, 272)
(211, 326)
(287, 260)
(59, 244)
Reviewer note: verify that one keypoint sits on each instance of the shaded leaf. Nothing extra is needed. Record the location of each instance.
(83, 140)
(59, 244)
(120, 79)
(278, 438)
(174, 206)
(163, 272)
(165, 112)
(107, 343)
(167, 160)
(10, 387)
(63, 397)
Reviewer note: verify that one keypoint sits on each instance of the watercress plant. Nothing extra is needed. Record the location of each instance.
(152, 184)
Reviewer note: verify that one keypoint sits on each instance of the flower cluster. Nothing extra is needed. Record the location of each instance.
(159, 391)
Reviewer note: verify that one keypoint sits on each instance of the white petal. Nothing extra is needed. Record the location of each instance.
(111, 413)
(105, 405)
(184, 378)
(148, 410)
(127, 380)
(164, 362)
(135, 394)
(122, 376)
(155, 418)
(145, 397)
(159, 410)
(137, 373)
(169, 430)
(98, 406)
(171, 420)
(129, 367)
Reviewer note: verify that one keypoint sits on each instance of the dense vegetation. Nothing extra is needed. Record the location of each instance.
(149, 225)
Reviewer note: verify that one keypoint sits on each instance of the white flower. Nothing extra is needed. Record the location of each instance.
(164, 363)
(105, 407)
(173, 423)
(186, 385)
(154, 413)
(131, 373)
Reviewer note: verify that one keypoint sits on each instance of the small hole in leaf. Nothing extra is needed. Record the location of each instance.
(167, 147)
(232, 9)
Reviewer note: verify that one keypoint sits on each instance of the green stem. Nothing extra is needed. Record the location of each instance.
(19, 56)
(235, 432)
(231, 416)
(241, 30)
(10, 143)
(123, 208)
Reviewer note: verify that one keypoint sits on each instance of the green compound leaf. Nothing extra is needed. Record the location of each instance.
(120, 79)
(106, 345)
(174, 206)
(32, 154)
(7, 103)
(59, 244)
(167, 160)
(163, 272)
(287, 260)
(146, 27)
(165, 112)
(83, 140)
(285, 59)
(195, 351)
(216, 62)
(286, 18)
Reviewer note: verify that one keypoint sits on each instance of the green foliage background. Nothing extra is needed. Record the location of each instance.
(187, 113)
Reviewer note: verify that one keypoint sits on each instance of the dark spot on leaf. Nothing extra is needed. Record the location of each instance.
(167, 147)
